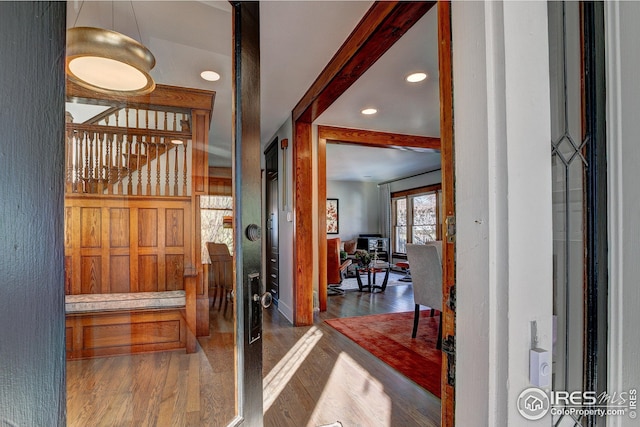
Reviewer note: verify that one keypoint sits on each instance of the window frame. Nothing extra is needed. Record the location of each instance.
(409, 196)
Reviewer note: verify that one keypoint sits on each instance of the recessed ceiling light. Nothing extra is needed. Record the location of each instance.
(416, 77)
(211, 76)
(369, 111)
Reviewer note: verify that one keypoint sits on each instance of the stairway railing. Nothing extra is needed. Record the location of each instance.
(129, 160)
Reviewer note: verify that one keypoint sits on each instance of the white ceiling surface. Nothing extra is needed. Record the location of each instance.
(346, 162)
(298, 38)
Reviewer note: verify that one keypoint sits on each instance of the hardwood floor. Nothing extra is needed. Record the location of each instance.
(312, 376)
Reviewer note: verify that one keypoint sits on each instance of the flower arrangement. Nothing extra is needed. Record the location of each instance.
(363, 257)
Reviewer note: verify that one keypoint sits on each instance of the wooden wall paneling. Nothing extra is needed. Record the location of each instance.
(148, 227)
(91, 274)
(147, 273)
(91, 227)
(322, 223)
(106, 334)
(448, 197)
(174, 227)
(133, 254)
(119, 226)
(160, 250)
(105, 250)
(119, 274)
(174, 272)
(130, 238)
(303, 244)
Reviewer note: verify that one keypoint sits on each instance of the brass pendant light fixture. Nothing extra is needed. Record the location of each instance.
(108, 62)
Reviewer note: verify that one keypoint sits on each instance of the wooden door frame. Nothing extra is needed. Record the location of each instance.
(379, 29)
(382, 25)
(337, 135)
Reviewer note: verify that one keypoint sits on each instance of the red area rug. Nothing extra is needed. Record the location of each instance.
(388, 337)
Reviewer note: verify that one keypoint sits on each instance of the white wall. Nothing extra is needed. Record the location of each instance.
(503, 186)
(285, 208)
(623, 157)
(359, 209)
(423, 180)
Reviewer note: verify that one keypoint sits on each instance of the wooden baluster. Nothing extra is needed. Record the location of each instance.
(138, 165)
(129, 168)
(94, 162)
(184, 172)
(165, 114)
(155, 124)
(175, 187)
(158, 154)
(175, 124)
(85, 160)
(76, 161)
(120, 170)
(109, 165)
(146, 119)
(167, 191)
(148, 151)
(100, 164)
(68, 158)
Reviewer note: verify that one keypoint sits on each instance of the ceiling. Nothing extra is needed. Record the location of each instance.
(298, 38)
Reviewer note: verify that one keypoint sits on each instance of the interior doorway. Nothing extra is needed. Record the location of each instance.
(272, 278)
(353, 59)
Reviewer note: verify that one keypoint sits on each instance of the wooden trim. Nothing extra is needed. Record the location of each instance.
(303, 225)
(448, 197)
(383, 24)
(377, 139)
(322, 224)
(200, 152)
(427, 189)
(181, 98)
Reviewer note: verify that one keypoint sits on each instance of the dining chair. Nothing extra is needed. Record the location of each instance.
(426, 273)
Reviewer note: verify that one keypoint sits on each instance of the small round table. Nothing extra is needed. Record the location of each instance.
(371, 271)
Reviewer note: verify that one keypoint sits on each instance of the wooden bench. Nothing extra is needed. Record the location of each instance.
(114, 324)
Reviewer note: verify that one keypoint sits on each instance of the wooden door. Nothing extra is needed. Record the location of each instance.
(271, 220)
(247, 209)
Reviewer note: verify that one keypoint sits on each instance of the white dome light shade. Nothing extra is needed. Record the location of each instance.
(369, 111)
(107, 73)
(416, 77)
(210, 76)
(108, 62)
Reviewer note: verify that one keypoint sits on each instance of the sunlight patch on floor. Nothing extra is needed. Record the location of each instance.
(350, 394)
(277, 379)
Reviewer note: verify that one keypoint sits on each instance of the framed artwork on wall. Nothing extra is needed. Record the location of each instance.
(333, 216)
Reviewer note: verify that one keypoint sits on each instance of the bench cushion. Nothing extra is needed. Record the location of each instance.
(84, 303)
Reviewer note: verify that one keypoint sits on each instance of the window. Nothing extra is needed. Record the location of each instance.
(400, 226)
(212, 211)
(415, 217)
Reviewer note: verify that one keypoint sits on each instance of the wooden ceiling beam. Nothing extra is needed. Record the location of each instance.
(383, 25)
(377, 139)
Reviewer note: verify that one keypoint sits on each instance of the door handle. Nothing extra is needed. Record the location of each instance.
(265, 300)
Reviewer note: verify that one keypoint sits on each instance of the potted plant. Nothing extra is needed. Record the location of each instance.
(363, 258)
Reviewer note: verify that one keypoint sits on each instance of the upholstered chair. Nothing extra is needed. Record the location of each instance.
(426, 272)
